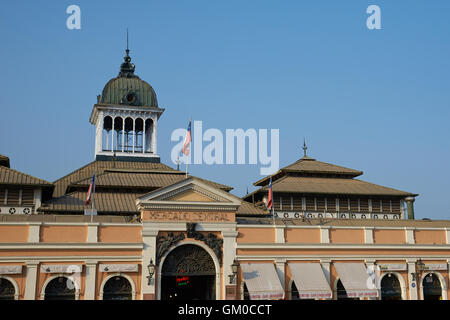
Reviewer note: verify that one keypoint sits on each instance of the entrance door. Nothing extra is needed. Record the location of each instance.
(188, 273)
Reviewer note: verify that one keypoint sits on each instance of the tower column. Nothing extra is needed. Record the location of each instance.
(112, 134)
(410, 207)
(123, 134)
(154, 136)
(144, 132)
(134, 134)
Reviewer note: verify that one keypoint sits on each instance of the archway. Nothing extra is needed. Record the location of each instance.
(117, 288)
(188, 273)
(390, 288)
(7, 290)
(60, 288)
(432, 289)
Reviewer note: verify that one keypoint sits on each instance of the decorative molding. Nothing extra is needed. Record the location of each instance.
(163, 244)
(10, 269)
(119, 268)
(62, 268)
(210, 240)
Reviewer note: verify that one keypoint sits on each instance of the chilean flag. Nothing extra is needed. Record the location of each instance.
(270, 198)
(91, 190)
(187, 141)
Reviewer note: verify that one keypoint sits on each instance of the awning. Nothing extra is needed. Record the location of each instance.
(262, 281)
(356, 280)
(310, 280)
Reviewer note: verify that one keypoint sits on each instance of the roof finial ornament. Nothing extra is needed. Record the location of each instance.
(304, 147)
(127, 68)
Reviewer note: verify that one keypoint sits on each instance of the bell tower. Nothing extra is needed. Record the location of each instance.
(126, 118)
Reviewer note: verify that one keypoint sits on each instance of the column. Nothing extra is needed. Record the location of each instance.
(279, 234)
(229, 290)
(326, 267)
(154, 136)
(370, 265)
(91, 279)
(37, 198)
(412, 285)
(149, 254)
(112, 133)
(410, 207)
(144, 132)
(280, 268)
(123, 134)
(31, 280)
(134, 133)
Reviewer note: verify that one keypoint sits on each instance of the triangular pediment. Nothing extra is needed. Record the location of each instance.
(191, 196)
(189, 192)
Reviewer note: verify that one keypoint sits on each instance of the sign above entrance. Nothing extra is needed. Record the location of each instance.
(175, 216)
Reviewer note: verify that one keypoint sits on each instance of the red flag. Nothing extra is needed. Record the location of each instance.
(187, 141)
(270, 198)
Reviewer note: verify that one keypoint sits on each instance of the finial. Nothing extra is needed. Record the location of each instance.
(304, 147)
(127, 68)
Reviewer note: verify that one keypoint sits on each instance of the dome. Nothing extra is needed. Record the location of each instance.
(128, 89)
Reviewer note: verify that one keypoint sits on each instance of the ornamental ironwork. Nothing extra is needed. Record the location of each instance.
(163, 244)
(188, 260)
(211, 240)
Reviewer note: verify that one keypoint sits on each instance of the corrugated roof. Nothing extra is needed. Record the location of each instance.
(248, 208)
(308, 165)
(141, 179)
(13, 177)
(105, 202)
(337, 186)
(99, 167)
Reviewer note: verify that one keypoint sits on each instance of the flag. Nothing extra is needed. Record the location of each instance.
(270, 198)
(187, 141)
(91, 190)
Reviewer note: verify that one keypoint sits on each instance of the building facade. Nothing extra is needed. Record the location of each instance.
(162, 235)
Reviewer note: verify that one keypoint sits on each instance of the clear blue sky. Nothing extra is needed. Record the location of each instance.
(377, 101)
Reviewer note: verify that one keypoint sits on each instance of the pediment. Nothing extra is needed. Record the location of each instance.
(189, 192)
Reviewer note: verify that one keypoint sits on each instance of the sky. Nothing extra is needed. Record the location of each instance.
(372, 100)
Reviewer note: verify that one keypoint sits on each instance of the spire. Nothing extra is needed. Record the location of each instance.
(304, 147)
(127, 68)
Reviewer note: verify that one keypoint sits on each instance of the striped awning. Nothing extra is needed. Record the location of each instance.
(262, 281)
(310, 281)
(356, 280)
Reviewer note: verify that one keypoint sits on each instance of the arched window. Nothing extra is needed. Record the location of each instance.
(118, 134)
(60, 288)
(107, 134)
(117, 288)
(342, 293)
(7, 290)
(129, 134)
(390, 288)
(138, 129)
(294, 292)
(432, 289)
(148, 135)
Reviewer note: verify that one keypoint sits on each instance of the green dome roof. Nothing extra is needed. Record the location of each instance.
(128, 89)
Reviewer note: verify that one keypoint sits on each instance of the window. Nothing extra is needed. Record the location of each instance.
(7, 290)
(60, 288)
(117, 288)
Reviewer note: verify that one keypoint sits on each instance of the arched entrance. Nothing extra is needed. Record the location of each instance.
(60, 288)
(432, 289)
(7, 290)
(188, 273)
(390, 288)
(117, 288)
